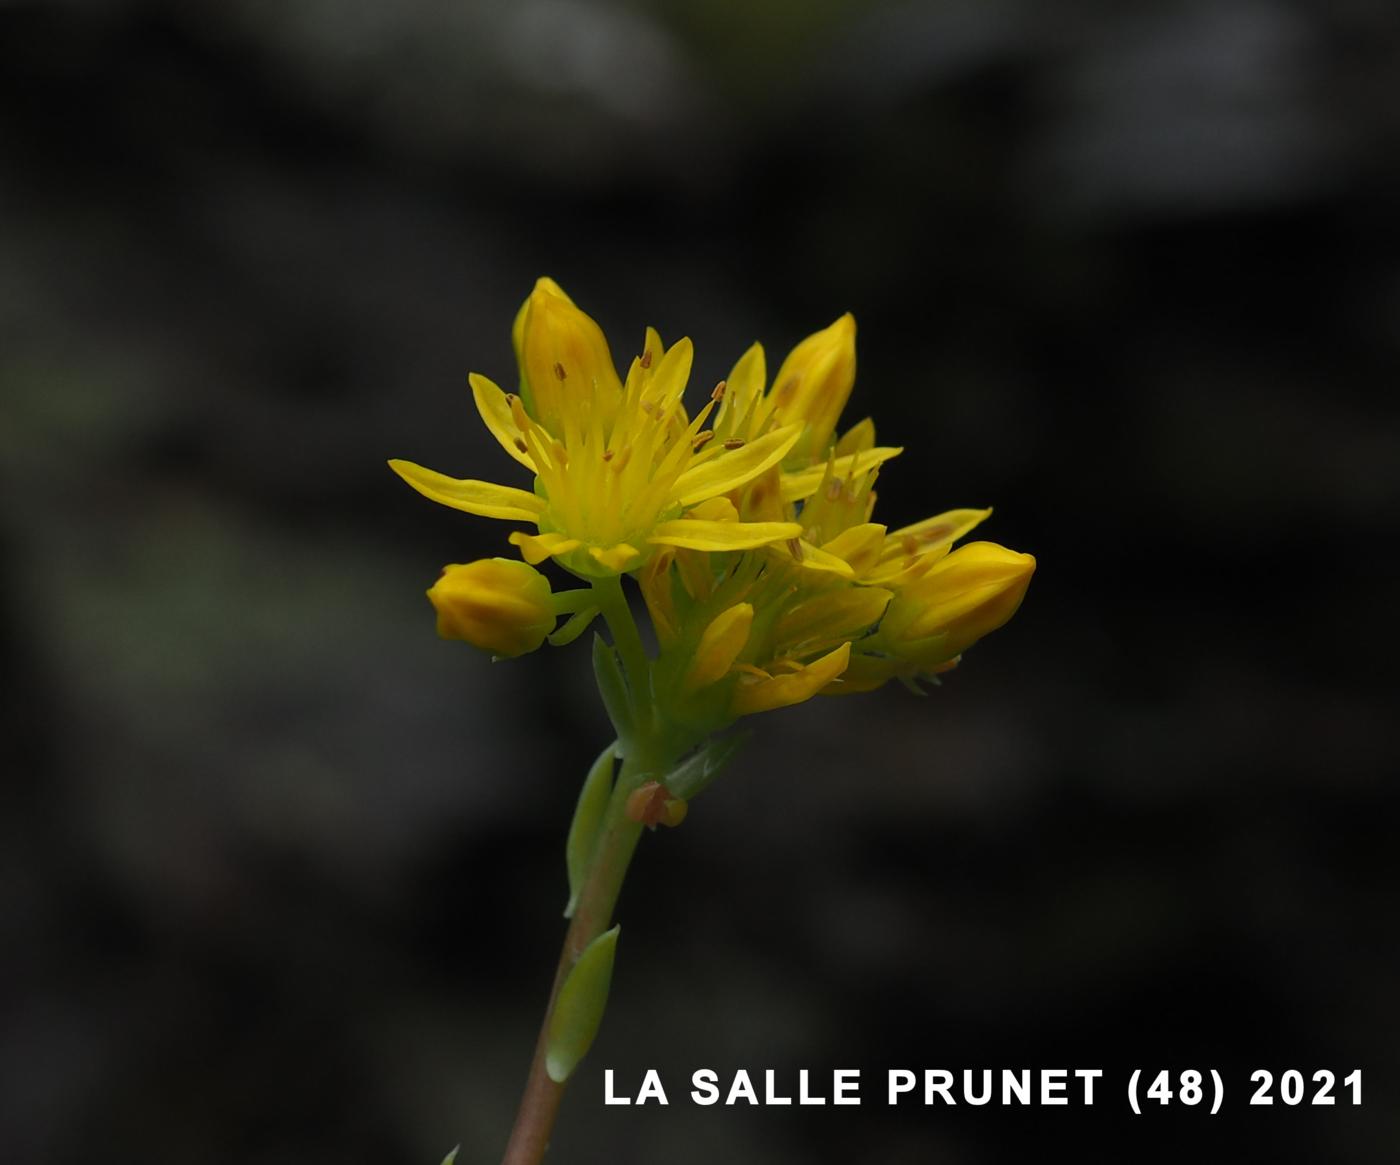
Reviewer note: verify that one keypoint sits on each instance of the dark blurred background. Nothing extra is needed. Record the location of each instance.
(280, 872)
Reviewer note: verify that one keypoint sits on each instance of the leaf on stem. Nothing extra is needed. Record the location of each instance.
(578, 1010)
(588, 819)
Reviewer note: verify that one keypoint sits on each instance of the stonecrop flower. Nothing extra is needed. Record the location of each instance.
(619, 466)
(749, 527)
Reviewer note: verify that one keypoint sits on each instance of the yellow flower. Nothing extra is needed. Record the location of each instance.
(498, 604)
(619, 466)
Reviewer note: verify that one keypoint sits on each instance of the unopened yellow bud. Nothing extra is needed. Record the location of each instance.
(967, 595)
(719, 646)
(813, 386)
(497, 604)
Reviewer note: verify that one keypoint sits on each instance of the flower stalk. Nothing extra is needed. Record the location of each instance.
(595, 898)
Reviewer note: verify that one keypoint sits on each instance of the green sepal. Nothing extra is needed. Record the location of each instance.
(451, 1157)
(612, 686)
(703, 765)
(578, 1010)
(588, 819)
(573, 627)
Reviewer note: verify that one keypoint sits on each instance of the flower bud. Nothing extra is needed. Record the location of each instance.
(497, 604)
(967, 595)
(813, 386)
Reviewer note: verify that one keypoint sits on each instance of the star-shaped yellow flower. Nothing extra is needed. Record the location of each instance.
(619, 467)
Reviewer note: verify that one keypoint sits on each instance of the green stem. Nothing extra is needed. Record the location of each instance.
(618, 615)
(617, 841)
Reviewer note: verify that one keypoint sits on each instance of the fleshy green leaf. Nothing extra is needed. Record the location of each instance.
(612, 686)
(588, 818)
(702, 766)
(578, 1011)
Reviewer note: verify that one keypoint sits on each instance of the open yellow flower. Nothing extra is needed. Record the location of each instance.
(618, 466)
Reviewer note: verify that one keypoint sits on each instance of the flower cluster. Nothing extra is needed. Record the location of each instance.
(749, 527)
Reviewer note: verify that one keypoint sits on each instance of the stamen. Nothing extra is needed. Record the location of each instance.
(559, 371)
(734, 443)
(520, 444)
(645, 361)
(910, 545)
(718, 393)
(620, 463)
(795, 545)
(702, 439)
(510, 400)
(608, 454)
(833, 489)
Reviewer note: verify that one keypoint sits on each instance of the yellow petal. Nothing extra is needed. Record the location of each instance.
(671, 372)
(517, 335)
(831, 615)
(814, 384)
(495, 412)
(719, 509)
(814, 558)
(805, 482)
(719, 646)
(733, 468)
(694, 534)
(485, 498)
(614, 558)
(857, 439)
(859, 545)
(535, 548)
(781, 691)
(566, 360)
(932, 533)
(744, 385)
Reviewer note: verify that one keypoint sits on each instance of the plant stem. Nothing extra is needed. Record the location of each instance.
(618, 615)
(617, 840)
